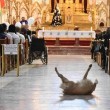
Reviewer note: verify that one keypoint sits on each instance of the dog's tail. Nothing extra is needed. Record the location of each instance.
(64, 80)
(85, 76)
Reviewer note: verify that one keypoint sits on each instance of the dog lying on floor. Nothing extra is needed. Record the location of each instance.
(83, 87)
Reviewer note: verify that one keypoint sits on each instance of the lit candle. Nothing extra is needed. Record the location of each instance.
(91, 28)
(43, 29)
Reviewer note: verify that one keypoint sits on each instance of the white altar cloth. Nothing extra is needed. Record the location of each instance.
(66, 34)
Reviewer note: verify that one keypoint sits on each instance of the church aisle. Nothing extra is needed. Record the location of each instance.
(37, 87)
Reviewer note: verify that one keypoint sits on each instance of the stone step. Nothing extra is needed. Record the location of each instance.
(69, 50)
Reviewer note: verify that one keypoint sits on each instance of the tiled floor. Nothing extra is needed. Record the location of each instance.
(37, 87)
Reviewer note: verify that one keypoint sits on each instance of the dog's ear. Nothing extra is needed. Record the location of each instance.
(90, 65)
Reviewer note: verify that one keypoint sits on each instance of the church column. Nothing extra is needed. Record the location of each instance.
(85, 6)
(52, 5)
(58, 1)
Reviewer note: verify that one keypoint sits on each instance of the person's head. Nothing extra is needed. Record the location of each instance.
(12, 28)
(18, 29)
(4, 27)
(23, 18)
(37, 32)
(23, 31)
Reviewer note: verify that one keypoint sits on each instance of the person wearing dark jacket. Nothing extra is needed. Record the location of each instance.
(2, 34)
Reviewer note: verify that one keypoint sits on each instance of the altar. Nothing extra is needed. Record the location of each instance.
(65, 34)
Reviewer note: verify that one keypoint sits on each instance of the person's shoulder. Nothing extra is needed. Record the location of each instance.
(8, 35)
(15, 35)
(21, 35)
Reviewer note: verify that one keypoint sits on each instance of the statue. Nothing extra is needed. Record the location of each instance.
(38, 20)
(57, 20)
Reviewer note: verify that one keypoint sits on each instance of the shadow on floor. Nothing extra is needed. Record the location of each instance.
(89, 99)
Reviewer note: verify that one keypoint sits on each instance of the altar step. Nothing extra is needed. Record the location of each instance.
(67, 42)
(69, 50)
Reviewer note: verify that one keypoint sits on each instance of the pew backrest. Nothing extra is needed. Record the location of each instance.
(3, 41)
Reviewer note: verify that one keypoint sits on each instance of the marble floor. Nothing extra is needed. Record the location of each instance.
(37, 87)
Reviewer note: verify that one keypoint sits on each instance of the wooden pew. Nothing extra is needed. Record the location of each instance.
(3, 41)
(26, 49)
(98, 59)
(109, 59)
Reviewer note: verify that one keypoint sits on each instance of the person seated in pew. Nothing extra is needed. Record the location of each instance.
(22, 37)
(8, 60)
(22, 41)
(12, 32)
(7, 34)
(2, 34)
(27, 34)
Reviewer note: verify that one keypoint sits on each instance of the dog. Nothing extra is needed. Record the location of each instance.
(83, 87)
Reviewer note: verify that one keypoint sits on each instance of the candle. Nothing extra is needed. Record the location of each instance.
(43, 29)
(91, 28)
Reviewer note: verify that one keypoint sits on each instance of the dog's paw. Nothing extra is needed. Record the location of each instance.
(90, 65)
(55, 68)
(96, 81)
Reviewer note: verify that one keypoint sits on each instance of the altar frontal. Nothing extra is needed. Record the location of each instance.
(66, 34)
